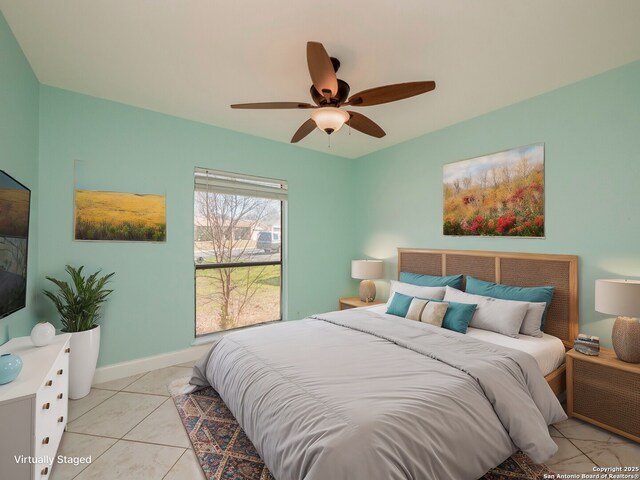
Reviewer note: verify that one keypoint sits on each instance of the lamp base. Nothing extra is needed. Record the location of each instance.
(367, 291)
(626, 339)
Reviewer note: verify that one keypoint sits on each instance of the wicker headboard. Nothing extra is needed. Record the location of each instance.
(518, 269)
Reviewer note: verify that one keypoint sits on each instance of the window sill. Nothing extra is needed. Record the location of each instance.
(209, 338)
(212, 337)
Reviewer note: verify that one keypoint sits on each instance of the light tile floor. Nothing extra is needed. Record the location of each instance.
(132, 430)
(583, 446)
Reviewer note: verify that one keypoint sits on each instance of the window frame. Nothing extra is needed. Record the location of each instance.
(265, 187)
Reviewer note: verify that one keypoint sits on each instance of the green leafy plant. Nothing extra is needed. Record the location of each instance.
(79, 304)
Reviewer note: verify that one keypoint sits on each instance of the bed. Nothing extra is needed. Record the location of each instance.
(517, 269)
(359, 394)
(548, 351)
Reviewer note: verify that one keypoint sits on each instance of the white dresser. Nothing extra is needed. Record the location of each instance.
(33, 408)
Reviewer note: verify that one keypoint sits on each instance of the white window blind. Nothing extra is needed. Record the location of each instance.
(235, 183)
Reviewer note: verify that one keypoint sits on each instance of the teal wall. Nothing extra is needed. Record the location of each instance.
(339, 209)
(19, 155)
(124, 148)
(592, 164)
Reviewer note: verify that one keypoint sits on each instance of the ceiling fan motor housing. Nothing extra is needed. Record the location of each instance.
(339, 98)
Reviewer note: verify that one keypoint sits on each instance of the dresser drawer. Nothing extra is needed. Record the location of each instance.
(49, 426)
(50, 414)
(33, 408)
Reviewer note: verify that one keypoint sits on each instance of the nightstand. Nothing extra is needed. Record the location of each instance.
(604, 391)
(355, 302)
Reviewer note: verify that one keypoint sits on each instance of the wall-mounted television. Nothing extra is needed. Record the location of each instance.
(15, 201)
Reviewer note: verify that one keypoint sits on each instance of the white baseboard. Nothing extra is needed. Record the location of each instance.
(140, 365)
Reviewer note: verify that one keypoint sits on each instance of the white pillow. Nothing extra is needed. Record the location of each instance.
(533, 319)
(436, 293)
(500, 316)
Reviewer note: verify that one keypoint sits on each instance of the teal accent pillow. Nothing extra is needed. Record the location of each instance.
(506, 292)
(454, 281)
(399, 305)
(458, 315)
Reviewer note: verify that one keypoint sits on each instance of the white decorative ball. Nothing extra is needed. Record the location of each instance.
(42, 334)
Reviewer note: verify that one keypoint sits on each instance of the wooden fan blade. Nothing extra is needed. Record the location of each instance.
(305, 129)
(365, 125)
(389, 93)
(273, 105)
(321, 70)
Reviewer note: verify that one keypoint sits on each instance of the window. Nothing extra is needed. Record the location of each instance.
(238, 243)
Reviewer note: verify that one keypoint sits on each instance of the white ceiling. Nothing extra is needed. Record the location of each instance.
(192, 58)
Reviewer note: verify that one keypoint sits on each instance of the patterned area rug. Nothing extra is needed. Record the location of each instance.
(225, 452)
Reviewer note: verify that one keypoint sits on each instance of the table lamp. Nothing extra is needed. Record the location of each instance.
(366, 270)
(622, 298)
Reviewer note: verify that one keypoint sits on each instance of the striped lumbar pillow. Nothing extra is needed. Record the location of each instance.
(427, 312)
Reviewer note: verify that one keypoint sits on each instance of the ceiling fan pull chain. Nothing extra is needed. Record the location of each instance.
(329, 140)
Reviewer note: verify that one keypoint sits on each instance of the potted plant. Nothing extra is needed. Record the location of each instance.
(79, 307)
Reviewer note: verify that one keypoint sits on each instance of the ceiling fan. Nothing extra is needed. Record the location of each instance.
(329, 94)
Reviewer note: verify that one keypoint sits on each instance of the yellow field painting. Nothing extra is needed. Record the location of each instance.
(120, 216)
(14, 205)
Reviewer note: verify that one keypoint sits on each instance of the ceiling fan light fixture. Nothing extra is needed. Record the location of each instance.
(329, 119)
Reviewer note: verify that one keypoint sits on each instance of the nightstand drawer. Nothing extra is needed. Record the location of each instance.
(355, 302)
(346, 306)
(607, 395)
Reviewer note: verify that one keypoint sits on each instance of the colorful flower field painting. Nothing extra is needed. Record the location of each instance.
(501, 194)
(120, 216)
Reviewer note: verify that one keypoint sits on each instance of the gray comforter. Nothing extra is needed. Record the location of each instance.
(358, 395)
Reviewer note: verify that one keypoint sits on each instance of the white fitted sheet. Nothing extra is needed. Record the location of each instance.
(548, 350)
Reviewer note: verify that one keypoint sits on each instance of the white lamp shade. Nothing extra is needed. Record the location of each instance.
(618, 297)
(329, 119)
(366, 269)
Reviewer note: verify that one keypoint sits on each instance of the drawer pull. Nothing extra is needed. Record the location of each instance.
(45, 441)
(44, 471)
(60, 395)
(46, 406)
(60, 372)
(61, 419)
(67, 350)
(49, 383)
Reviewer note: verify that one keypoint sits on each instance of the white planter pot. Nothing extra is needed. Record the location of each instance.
(83, 358)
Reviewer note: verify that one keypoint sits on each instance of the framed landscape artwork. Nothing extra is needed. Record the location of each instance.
(501, 194)
(117, 216)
